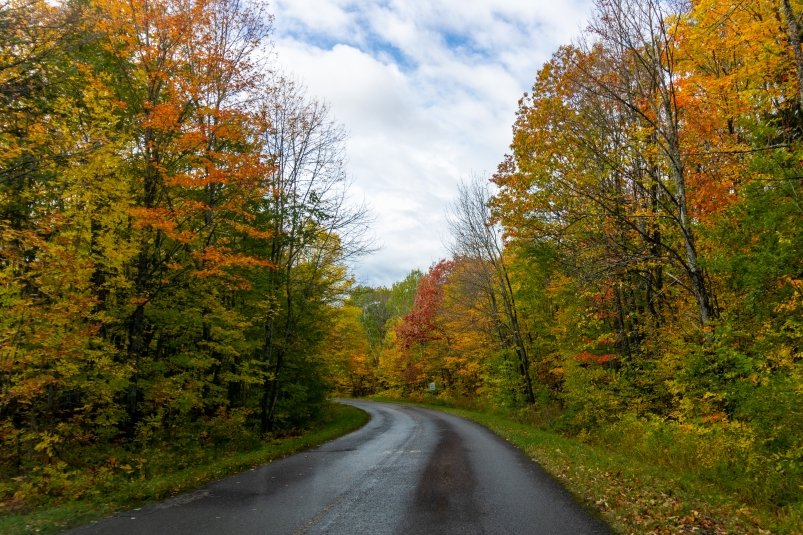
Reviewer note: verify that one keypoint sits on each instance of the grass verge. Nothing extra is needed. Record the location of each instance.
(633, 496)
(128, 494)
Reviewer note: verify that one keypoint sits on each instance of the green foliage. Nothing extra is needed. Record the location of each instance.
(162, 282)
(648, 475)
(501, 380)
(592, 398)
(651, 209)
(304, 397)
(122, 479)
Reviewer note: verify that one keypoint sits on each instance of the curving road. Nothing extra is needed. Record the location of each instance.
(409, 470)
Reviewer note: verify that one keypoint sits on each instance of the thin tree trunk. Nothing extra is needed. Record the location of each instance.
(696, 277)
(677, 171)
(264, 403)
(794, 41)
(521, 348)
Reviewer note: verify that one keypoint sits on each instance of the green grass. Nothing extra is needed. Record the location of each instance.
(629, 493)
(128, 493)
(632, 493)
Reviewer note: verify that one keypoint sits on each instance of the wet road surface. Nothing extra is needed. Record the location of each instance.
(408, 471)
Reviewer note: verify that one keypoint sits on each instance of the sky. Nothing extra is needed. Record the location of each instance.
(427, 91)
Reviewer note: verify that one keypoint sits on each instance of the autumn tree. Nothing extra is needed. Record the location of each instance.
(747, 78)
(421, 336)
(641, 39)
(348, 352)
(479, 240)
(311, 223)
(183, 69)
(61, 211)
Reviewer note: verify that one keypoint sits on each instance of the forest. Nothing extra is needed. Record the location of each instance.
(173, 238)
(632, 274)
(176, 236)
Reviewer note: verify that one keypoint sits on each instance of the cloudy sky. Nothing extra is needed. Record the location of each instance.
(427, 91)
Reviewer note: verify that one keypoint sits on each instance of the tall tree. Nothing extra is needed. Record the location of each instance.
(476, 237)
(183, 68)
(640, 39)
(306, 213)
(60, 214)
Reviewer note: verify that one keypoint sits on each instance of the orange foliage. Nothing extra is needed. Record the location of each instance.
(589, 358)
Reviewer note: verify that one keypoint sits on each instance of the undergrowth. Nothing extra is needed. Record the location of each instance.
(645, 476)
(49, 501)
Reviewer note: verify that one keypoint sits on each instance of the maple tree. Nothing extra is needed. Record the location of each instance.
(420, 334)
(174, 238)
(151, 229)
(194, 164)
(639, 257)
(445, 339)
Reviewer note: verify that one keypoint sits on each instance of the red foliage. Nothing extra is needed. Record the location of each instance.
(590, 358)
(419, 325)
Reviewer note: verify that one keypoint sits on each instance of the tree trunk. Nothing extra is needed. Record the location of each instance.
(694, 272)
(136, 348)
(794, 41)
(513, 317)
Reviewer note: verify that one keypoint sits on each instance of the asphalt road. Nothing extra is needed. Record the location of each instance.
(409, 470)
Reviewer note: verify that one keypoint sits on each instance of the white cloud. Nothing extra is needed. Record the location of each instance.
(328, 17)
(427, 90)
